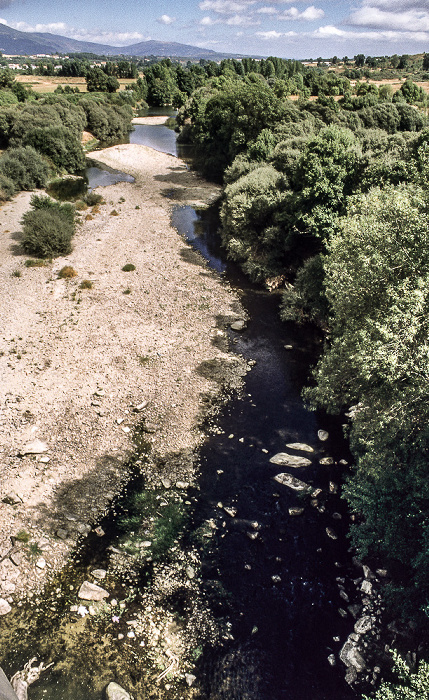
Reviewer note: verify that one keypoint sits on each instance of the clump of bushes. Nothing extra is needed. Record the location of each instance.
(48, 228)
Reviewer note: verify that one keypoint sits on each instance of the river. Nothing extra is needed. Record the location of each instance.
(278, 570)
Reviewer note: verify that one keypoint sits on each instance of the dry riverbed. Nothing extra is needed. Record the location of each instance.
(76, 363)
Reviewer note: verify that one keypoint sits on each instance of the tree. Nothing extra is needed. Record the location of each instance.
(359, 60)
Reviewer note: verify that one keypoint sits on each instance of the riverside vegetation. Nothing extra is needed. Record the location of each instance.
(328, 198)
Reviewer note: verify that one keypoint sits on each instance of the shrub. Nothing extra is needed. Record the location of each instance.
(48, 228)
(25, 167)
(35, 263)
(86, 284)
(129, 267)
(67, 272)
(93, 198)
(7, 188)
(59, 144)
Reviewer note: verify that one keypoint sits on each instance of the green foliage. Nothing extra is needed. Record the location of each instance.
(59, 145)
(48, 228)
(98, 81)
(377, 283)
(129, 267)
(105, 121)
(306, 299)
(7, 97)
(408, 685)
(7, 188)
(25, 167)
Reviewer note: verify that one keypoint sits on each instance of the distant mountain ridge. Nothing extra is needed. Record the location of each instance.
(31, 43)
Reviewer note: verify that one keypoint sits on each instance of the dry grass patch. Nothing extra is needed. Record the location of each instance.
(67, 272)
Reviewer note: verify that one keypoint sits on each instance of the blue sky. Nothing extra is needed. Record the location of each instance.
(287, 28)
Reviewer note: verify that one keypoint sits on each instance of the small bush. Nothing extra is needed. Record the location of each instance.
(127, 291)
(114, 213)
(129, 267)
(96, 209)
(86, 284)
(89, 217)
(16, 273)
(93, 198)
(22, 536)
(80, 205)
(35, 263)
(67, 272)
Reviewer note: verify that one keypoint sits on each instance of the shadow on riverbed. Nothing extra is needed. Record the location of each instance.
(80, 501)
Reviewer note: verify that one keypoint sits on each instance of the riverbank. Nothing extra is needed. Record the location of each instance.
(80, 368)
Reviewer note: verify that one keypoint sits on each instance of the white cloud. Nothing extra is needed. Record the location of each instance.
(93, 35)
(412, 20)
(166, 19)
(331, 32)
(226, 7)
(267, 11)
(310, 14)
(268, 36)
(241, 21)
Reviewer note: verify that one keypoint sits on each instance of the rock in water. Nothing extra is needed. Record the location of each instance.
(239, 325)
(292, 482)
(364, 624)
(90, 591)
(286, 460)
(301, 446)
(322, 435)
(115, 692)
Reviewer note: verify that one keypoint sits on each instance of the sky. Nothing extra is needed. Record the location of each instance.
(285, 28)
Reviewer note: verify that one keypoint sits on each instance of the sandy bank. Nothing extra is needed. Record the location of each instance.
(74, 363)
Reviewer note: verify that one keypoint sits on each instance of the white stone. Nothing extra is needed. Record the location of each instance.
(301, 446)
(286, 460)
(90, 591)
(5, 608)
(323, 435)
(292, 482)
(114, 691)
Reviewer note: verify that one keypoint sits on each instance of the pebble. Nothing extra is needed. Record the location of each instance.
(41, 563)
(126, 429)
(323, 435)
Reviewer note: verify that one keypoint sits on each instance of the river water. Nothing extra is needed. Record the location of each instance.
(281, 584)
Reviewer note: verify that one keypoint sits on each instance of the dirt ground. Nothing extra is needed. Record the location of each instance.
(76, 363)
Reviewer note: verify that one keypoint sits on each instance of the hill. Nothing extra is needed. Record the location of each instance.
(32, 43)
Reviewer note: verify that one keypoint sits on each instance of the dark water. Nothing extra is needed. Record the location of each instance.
(102, 176)
(288, 622)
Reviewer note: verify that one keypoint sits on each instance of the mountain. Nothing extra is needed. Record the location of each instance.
(32, 43)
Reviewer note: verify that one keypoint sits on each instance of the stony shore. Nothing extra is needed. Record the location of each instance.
(76, 363)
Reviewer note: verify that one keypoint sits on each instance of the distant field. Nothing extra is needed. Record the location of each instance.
(48, 84)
